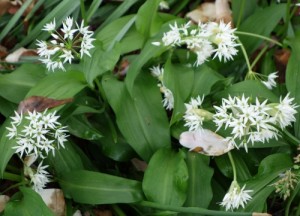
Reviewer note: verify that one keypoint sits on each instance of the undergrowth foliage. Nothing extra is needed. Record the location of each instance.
(128, 106)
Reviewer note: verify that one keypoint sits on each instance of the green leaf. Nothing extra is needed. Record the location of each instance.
(148, 129)
(59, 85)
(268, 172)
(121, 9)
(65, 159)
(60, 12)
(199, 184)
(147, 19)
(98, 188)
(149, 51)
(14, 86)
(6, 150)
(242, 9)
(79, 126)
(293, 78)
(166, 178)
(13, 21)
(176, 77)
(262, 22)
(249, 88)
(115, 31)
(26, 203)
(204, 79)
(101, 62)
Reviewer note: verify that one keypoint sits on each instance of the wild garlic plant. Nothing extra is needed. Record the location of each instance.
(36, 134)
(72, 41)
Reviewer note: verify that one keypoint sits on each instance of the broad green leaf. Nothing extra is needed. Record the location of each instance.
(249, 88)
(99, 188)
(176, 78)
(241, 9)
(80, 126)
(141, 118)
(132, 41)
(6, 150)
(147, 19)
(166, 178)
(261, 22)
(204, 79)
(149, 51)
(92, 9)
(293, 77)
(101, 62)
(65, 159)
(14, 86)
(268, 172)
(115, 31)
(59, 85)
(7, 107)
(199, 192)
(119, 11)
(26, 203)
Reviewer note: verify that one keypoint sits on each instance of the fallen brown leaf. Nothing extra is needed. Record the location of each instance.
(39, 103)
(54, 199)
(15, 56)
(3, 200)
(139, 164)
(4, 6)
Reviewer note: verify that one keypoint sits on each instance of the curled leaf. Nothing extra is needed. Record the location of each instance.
(15, 56)
(205, 142)
(39, 103)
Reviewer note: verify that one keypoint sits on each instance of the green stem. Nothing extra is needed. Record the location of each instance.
(233, 166)
(259, 36)
(258, 56)
(13, 186)
(193, 210)
(11, 176)
(118, 211)
(245, 55)
(82, 8)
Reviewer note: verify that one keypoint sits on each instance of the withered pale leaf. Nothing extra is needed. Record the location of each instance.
(39, 103)
(15, 56)
(54, 199)
(205, 142)
(4, 6)
(223, 11)
(3, 200)
(204, 13)
(260, 214)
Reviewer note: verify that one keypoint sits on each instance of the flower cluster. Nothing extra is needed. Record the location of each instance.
(247, 122)
(286, 184)
(168, 101)
(37, 133)
(236, 197)
(38, 176)
(205, 40)
(66, 44)
(268, 81)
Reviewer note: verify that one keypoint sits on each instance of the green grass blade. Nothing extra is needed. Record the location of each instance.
(14, 19)
(93, 8)
(61, 11)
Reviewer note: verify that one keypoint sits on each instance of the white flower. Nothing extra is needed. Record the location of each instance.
(285, 112)
(172, 37)
(39, 177)
(66, 44)
(157, 72)
(194, 115)
(50, 26)
(247, 122)
(40, 134)
(168, 101)
(236, 197)
(67, 55)
(67, 28)
(270, 83)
